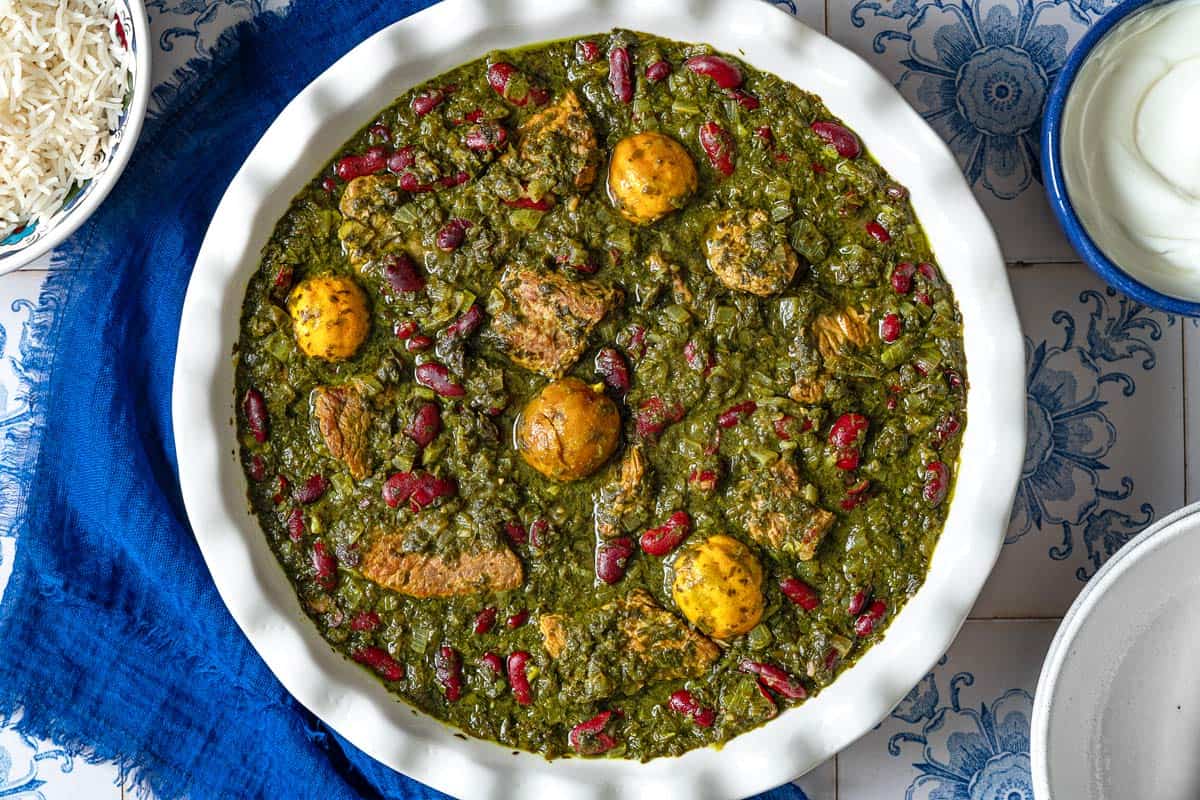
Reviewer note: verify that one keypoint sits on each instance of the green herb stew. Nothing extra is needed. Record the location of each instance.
(602, 397)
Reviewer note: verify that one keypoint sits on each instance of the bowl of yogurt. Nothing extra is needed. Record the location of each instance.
(1120, 151)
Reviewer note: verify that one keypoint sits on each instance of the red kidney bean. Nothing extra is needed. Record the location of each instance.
(766, 134)
(429, 488)
(858, 602)
(954, 379)
(405, 329)
(620, 78)
(365, 621)
(832, 656)
(842, 139)
(516, 620)
(937, 483)
(452, 234)
(847, 460)
(517, 678)
(538, 529)
(418, 343)
(485, 138)
(890, 328)
(612, 559)
(312, 489)
(800, 593)
(587, 51)
(589, 738)
(878, 232)
(401, 274)
(411, 183)
(855, 495)
(902, 277)
(457, 179)
(785, 427)
(493, 662)
(401, 160)
(466, 324)
(744, 99)
(718, 146)
(704, 479)
(866, 622)
(724, 73)
(637, 341)
(281, 490)
(426, 424)
(328, 184)
(324, 564)
(398, 488)
(425, 102)
(923, 298)
(476, 115)
(255, 409)
(295, 524)
(658, 71)
(379, 660)
(682, 702)
(447, 668)
(498, 76)
(848, 431)
(930, 273)
(257, 469)
(380, 131)
(896, 192)
(772, 708)
(485, 620)
(947, 428)
(666, 537)
(612, 367)
(515, 532)
(544, 204)
(698, 358)
(774, 678)
(818, 169)
(734, 414)
(654, 415)
(437, 377)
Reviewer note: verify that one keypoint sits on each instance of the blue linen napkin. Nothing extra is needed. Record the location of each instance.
(115, 643)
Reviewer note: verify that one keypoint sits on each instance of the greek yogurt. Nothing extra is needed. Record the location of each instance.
(1131, 146)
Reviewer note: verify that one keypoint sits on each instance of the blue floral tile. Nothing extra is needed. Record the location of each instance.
(979, 72)
(962, 733)
(1104, 452)
(810, 12)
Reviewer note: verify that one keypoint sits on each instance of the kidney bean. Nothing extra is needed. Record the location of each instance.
(493, 662)
(328, 184)
(401, 274)
(401, 160)
(832, 656)
(398, 488)
(418, 343)
(703, 479)
(744, 99)
(466, 324)
(452, 234)
(518, 679)
(485, 620)
(637, 341)
(785, 427)
(544, 204)
(281, 490)
(902, 277)
(666, 537)
(425, 102)
(734, 414)
(257, 420)
(429, 488)
(620, 79)
(485, 138)
(930, 273)
(765, 134)
(937, 483)
(457, 179)
(774, 679)
(405, 329)
(365, 621)
(866, 622)
(848, 431)
(589, 738)
(447, 668)
(818, 169)
(515, 532)
(516, 620)
(612, 367)
(858, 602)
(499, 75)
(312, 489)
(682, 702)
(847, 460)
(890, 328)
(954, 379)
(800, 593)
(855, 495)
(257, 469)
(896, 192)
(724, 73)
(718, 146)
(658, 71)
(587, 51)
(295, 524)
(412, 184)
(612, 559)
(654, 415)
(842, 139)
(426, 424)
(379, 660)
(947, 428)
(437, 377)
(380, 131)
(324, 566)
(476, 115)
(538, 529)
(878, 232)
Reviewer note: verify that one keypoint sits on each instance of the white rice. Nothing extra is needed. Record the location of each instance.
(63, 79)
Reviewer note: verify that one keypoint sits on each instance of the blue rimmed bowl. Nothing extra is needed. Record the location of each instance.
(1056, 186)
(34, 239)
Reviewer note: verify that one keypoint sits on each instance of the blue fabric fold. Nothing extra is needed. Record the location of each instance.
(115, 642)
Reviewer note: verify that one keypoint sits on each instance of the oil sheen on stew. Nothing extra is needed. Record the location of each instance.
(602, 397)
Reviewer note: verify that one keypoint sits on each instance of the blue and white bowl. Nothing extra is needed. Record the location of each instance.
(37, 238)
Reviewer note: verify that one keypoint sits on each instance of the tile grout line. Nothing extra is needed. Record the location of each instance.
(1187, 497)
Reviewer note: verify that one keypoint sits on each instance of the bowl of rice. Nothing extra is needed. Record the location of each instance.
(74, 82)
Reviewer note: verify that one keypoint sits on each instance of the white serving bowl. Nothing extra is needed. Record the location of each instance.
(39, 238)
(354, 702)
(1117, 712)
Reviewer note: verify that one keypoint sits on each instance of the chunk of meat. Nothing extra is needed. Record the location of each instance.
(749, 253)
(542, 319)
(343, 419)
(618, 648)
(370, 229)
(557, 152)
(623, 494)
(837, 331)
(389, 563)
(807, 390)
(777, 515)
